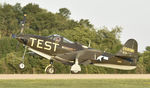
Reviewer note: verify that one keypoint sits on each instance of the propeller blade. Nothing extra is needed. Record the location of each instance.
(23, 23)
(17, 46)
(21, 31)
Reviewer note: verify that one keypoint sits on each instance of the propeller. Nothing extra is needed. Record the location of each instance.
(21, 31)
(23, 24)
(21, 65)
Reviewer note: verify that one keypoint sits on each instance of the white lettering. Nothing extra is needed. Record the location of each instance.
(33, 39)
(55, 46)
(39, 43)
(48, 47)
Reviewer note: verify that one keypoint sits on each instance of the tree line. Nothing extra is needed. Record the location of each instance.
(39, 21)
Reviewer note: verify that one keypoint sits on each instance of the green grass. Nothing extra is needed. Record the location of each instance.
(75, 83)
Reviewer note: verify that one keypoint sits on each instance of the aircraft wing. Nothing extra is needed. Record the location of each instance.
(84, 56)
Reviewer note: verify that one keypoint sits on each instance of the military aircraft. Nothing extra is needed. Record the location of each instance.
(60, 49)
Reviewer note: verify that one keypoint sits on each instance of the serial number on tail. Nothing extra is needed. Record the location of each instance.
(126, 49)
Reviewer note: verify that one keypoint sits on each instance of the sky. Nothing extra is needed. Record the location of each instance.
(132, 15)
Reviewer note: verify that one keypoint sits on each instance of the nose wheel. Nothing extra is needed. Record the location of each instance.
(21, 65)
(50, 69)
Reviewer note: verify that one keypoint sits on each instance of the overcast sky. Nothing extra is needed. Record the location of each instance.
(132, 15)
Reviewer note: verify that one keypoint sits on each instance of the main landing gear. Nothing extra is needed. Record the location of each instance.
(50, 68)
(76, 67)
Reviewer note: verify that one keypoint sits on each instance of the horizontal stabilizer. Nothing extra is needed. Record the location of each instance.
(121, 67)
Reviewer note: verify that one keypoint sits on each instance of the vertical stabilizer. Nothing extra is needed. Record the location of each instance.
(129, 49)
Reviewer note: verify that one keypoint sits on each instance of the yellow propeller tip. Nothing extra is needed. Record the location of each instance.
(25, 14)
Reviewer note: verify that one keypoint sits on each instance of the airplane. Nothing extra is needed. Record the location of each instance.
(60, 49)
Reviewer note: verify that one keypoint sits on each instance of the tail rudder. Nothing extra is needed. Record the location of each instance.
(129, 49)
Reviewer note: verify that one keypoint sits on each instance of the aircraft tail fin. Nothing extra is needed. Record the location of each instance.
(129, 49)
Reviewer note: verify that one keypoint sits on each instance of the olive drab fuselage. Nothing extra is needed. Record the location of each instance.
(58, 48)
(67, 51)
(50, 46)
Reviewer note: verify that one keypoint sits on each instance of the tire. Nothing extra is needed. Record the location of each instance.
(50, 70)
(72, 72)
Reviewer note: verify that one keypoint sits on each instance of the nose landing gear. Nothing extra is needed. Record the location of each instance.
(21, 65)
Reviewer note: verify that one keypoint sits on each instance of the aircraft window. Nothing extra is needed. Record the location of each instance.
(57, 39)
(56, 35)
(50, 37)
(67, 41)
(53, 36)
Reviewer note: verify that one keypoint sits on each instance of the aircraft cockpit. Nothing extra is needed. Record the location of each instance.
(58, 38)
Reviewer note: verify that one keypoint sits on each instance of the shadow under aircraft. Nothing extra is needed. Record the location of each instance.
(60, 49)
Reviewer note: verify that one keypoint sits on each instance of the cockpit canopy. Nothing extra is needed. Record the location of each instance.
(58, 38)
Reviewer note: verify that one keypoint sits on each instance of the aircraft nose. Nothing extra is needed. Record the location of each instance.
(22, 39)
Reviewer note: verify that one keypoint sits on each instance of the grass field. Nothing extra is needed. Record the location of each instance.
(76, 83)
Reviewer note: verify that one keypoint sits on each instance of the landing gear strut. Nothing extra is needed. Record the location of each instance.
(50, 68)
(21, 65)
(76, 67)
